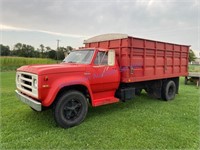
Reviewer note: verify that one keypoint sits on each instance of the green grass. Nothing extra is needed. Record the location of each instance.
(12, 63)
(143, 123)
(194, 68)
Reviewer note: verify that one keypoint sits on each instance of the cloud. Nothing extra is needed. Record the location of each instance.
(171, 20)
(11, 28)
(88, 17)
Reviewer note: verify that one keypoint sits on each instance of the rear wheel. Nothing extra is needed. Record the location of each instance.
(70, 109)
(169, 90)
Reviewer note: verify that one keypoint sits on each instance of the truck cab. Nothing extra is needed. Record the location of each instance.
(86, 76)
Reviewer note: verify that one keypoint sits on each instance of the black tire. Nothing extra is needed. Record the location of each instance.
(169, 90)
(70, 109)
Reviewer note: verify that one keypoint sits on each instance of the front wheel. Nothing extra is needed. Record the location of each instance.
(70, 109)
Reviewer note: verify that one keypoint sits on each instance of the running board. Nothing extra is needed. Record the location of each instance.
(104, 101)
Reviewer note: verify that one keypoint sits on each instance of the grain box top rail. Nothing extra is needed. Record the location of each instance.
(115, 36)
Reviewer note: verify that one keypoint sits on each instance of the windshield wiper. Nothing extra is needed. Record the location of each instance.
(71, 62)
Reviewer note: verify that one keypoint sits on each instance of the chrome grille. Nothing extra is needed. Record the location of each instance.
(24, 82)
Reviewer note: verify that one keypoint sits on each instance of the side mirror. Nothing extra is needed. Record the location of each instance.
(111, 57)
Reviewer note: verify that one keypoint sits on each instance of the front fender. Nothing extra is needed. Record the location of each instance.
(60, 83)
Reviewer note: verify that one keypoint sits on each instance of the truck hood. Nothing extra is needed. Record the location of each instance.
(52, 68)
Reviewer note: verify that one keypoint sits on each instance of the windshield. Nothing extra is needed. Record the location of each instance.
(79, 56)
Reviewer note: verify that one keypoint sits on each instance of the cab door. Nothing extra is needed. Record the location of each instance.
(104, 78)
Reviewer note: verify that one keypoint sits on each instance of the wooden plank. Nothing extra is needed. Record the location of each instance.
(194, 74)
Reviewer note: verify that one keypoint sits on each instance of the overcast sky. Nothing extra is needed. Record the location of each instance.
(38, 22)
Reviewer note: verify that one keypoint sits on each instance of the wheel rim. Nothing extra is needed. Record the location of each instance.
(171, 90)
(72, 109)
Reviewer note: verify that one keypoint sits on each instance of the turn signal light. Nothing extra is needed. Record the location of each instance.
(46, 78)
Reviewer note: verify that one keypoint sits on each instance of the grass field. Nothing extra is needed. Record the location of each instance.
(143, 123)
(12, 63)
(194, 68)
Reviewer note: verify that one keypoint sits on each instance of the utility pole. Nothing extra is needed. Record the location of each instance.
(57, 50)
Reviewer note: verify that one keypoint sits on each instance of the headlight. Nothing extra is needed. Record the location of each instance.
(35, 84)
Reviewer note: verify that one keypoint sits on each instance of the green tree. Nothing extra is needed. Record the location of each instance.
(18, 46)
(60, 53)
(28, 50)
(192, 56)
(17, 50)
(48, 48)
(51, 54)
(23, 50)
(42, 50)
(66, 50)
(69, 49)
(4, 50)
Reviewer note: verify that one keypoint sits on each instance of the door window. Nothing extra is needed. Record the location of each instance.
(101, 58)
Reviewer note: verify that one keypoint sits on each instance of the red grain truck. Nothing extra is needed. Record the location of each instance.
(110, 68)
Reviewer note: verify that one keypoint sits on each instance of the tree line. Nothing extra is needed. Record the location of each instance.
(24, 50)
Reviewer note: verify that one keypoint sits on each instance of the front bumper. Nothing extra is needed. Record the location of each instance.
(29, 101)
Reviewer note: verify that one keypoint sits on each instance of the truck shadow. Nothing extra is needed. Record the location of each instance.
(139, 102)
(45, 118)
